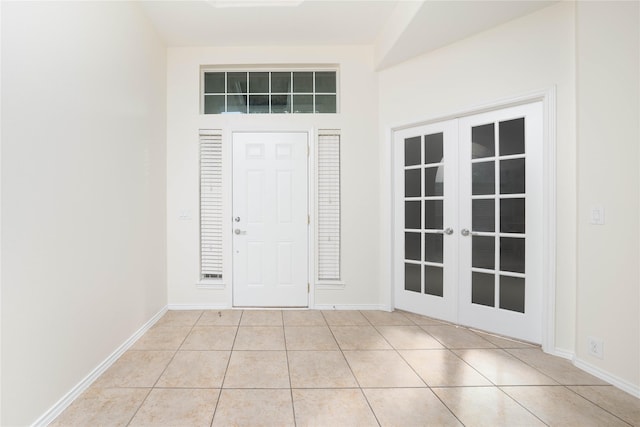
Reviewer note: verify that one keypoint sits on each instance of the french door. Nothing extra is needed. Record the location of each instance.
(468, 221)
(270, 219)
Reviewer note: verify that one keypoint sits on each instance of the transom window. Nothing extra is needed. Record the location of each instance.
(269, 92)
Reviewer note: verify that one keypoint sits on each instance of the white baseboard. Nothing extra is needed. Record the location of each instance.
(624, 385)
(76, 391)
(382, 307)
(198, 307)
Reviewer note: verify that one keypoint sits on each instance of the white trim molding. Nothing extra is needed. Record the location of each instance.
(199, 307)
(83, 385)
(364, 307)
(624, 385)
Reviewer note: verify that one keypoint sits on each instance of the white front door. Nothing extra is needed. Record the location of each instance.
(270, 219)
(468, 221)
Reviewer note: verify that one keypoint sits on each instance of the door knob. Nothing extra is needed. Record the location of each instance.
(465, 232)
(236, 219)
(448, 231)
(238, 231)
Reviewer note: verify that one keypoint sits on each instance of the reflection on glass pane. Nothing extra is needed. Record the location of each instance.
(483, 289)
(412, 277)
(258, 82)
(303, 103)
(237, 103)
(412, 185)
(512, 254)
(512, 215)
(433, 247)
(412, 246)
(483, 252)
(483, 215)
(258, 104)
(483, 141)
(512, 293)
(433, 281)
(512, 137)
(512, 176)
(213, 82)
(412, 214)
(433, 214)
(325, 82)
(483, 178)
(326, 104)
(303, 81)
(281, 82)
(214, 104)
(236, 82)
(433, 181)
(433, 148)
(412, 151)
(280, 103)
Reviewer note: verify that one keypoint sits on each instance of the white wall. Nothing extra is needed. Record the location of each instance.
(532, 53)
(83, 193)
(360, 196)
(608, 113)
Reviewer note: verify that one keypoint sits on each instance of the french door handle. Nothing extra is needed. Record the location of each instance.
(448, 231)
(465, 232)
(238, 231)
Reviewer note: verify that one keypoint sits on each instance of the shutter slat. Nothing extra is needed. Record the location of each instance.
(328, 190)
(211, 205)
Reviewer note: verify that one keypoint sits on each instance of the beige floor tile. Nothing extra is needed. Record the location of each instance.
(613, 400)
(103, 407)
(257, 369)
(335, 407)
(136, 369)
(177, 407)
(344, 318)
(422, 320)
(359, 338)
(457, 337)
(179, 318)
(195, 369)
(220, 318)
(309, 338)
(303, 318)
(261, 318)
(382, 368)
(501, 368)
(559, 406)
(259, 338)
(394, 318)
(162, 338)
(442, 368)
(210, 338)
(557, 368)
(485, 406)
(504, 342)
(254, 408)
(403, 407)
(408, 337)
(319, 369)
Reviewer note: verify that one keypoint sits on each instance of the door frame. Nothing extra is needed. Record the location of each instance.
(311, 173)
(548, 99)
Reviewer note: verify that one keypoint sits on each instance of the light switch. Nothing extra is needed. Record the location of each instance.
(597, 215)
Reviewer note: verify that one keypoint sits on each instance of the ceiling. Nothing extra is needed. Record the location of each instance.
(398, 30)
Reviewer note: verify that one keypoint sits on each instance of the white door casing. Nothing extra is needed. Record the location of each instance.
(270, 219)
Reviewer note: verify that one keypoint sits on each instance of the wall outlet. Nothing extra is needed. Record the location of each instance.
(595, 347)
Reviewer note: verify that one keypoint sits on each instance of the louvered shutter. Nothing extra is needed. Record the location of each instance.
(210, 205)
(328, 192)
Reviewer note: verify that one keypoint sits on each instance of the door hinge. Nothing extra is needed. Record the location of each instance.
(308, 151)
(308, 288)
(308, 219)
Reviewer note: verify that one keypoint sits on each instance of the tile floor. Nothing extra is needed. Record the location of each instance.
(339, 368)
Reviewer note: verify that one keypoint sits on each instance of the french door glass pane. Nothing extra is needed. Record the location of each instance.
(325, 82)
(512, 213)
(433, 148)
(214, 104)
(483, 289)
(280, 103)
(512, 137)
(214, 82)
(303, 103)
(326, 104)
(412, 215)
(483, 212)
(412, 187)
(281, 82)
(258, 103)
(237, 103)
(483, 141)
(512, 293)
(412, 246)
(412, 277)
(434, 181)
(483, 178)
(512, 254)
(433, 247)
(258, 82)
(303, 82)
(433, 281)
(412, 154)
(237, 82)
(433, 214)
(483, 252)
(512, 176)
